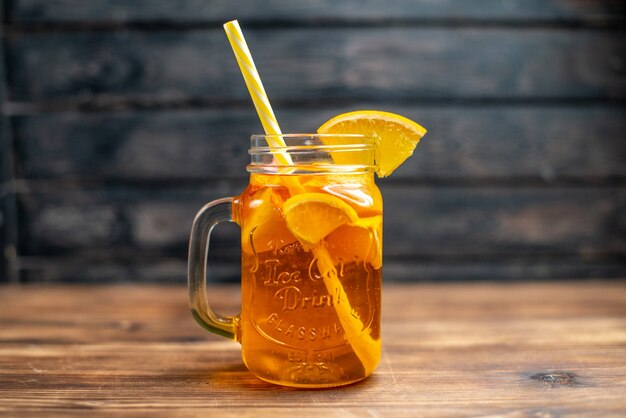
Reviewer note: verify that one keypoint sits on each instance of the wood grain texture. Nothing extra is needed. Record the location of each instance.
(585, 222)
(220, 10)
(449, 350)
(486, 142)
(322, 65)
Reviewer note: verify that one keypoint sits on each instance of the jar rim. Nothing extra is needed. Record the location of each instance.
(309, 134)
(294, 139)
(310, 153)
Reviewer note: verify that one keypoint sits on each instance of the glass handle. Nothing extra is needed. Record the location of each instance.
(207, 218)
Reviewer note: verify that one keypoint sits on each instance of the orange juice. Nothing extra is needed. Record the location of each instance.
(290, 329)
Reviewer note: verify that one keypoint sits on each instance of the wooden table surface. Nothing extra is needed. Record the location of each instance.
(513, 350)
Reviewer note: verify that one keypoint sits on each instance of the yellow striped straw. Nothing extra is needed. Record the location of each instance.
(255, 87)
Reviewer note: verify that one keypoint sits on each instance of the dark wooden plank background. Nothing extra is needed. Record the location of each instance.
(120, 119)
(200, 11)
(334, 64)
(466, 142)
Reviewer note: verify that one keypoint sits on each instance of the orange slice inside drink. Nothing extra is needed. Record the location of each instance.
(359, 242)
(312, 216)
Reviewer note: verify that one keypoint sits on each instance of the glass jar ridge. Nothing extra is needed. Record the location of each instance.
(312, 153)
